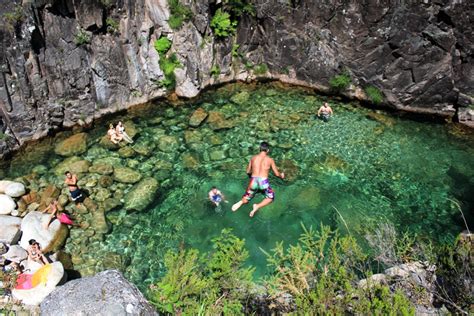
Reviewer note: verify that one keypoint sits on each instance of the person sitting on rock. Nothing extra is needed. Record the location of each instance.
(35, 254)
(113, 136)
(54, 209)
(71, 181)
(120, 130)
(216, 196)
(325, 112)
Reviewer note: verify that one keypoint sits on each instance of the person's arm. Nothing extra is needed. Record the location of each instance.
(319, 111)
(249, 168)
(330, 111)
(276, 172)
(210, 196)
(46, 209)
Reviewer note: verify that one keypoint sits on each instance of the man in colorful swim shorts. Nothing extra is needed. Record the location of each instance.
(258, 169)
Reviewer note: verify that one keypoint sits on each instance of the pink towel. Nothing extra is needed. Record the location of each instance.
(63, 218)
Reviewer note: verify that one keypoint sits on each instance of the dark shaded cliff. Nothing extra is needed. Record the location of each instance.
(66, 62)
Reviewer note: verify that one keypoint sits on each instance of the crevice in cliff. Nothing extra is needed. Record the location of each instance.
(444, 17)
(62, 8)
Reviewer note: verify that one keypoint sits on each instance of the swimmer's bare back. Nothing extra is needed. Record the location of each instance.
(260, 165)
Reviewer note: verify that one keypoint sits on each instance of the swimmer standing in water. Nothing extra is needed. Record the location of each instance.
(258, 169)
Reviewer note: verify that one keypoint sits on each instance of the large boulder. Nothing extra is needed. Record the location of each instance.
(51, 239)
(74, 145)
(16, 254)
(4, 184)
(10, 229)
(15, 189)
(197, 117)
(7, 204)
(126, 175)
(107, 293)
(141, 195)
(43, 282)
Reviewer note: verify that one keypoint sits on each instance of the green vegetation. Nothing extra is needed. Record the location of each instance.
(14, 18)
(179, 13)
(82, 38)
(374, 94)
(112, 25)
(340, 82)
(3, 136)
(162, 45)
(260, 69)
(215, 71)
(168, 63)
(217, 283)
(320, 273)
(225, 19)
(235, 51)
(222, 25)
(107, 3)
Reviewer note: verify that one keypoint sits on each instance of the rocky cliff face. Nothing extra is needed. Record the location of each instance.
(66, 62)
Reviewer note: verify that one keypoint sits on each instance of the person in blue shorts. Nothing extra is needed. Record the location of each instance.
(216, 196)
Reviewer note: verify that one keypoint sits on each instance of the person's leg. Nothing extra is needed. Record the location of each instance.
(127, 138)
(258, 206)
(247, 196)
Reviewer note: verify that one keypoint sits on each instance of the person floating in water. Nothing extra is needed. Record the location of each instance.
(325, 112)
(71, 181)
(120, 129)
(216, 196)
(258, 169)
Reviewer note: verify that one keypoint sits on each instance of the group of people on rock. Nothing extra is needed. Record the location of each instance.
(117, 134)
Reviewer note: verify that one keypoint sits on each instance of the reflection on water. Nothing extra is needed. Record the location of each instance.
(361, 166)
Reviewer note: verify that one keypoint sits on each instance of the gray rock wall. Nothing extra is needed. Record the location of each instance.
(418, 55)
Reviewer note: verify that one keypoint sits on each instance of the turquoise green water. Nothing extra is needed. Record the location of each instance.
(364, 170)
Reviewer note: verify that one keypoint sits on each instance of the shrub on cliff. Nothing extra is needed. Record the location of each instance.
(222, 25)
(179, 13)
(168, 63)
(374, 94)
(340, 82)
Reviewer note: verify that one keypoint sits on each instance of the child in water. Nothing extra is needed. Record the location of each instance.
(216, 196)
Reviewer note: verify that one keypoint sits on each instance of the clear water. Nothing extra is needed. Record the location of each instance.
(353, 168)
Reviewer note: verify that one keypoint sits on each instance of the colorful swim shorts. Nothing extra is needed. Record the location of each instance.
(258, 184)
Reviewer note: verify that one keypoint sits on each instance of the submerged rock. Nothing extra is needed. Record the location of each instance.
(107, 293)
(74, 145)
(126, 175)
(141, 195)
(197, 117)
(190, 161)
(102, 168)
(168, 143)
(217, 121)
(290, 168)
(240, 98)
(126, 152)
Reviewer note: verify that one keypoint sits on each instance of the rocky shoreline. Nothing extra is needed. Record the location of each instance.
(67, 64)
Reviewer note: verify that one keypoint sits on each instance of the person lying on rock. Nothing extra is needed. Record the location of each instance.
(35, 254)
(71, 181)
(54, 209)
(113, 136)
(120, 130)
(258, 169)
(325, 112)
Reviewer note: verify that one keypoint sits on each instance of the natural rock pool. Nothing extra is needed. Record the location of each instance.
(361, 168)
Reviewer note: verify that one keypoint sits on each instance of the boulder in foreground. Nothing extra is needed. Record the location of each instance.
(107, 293)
